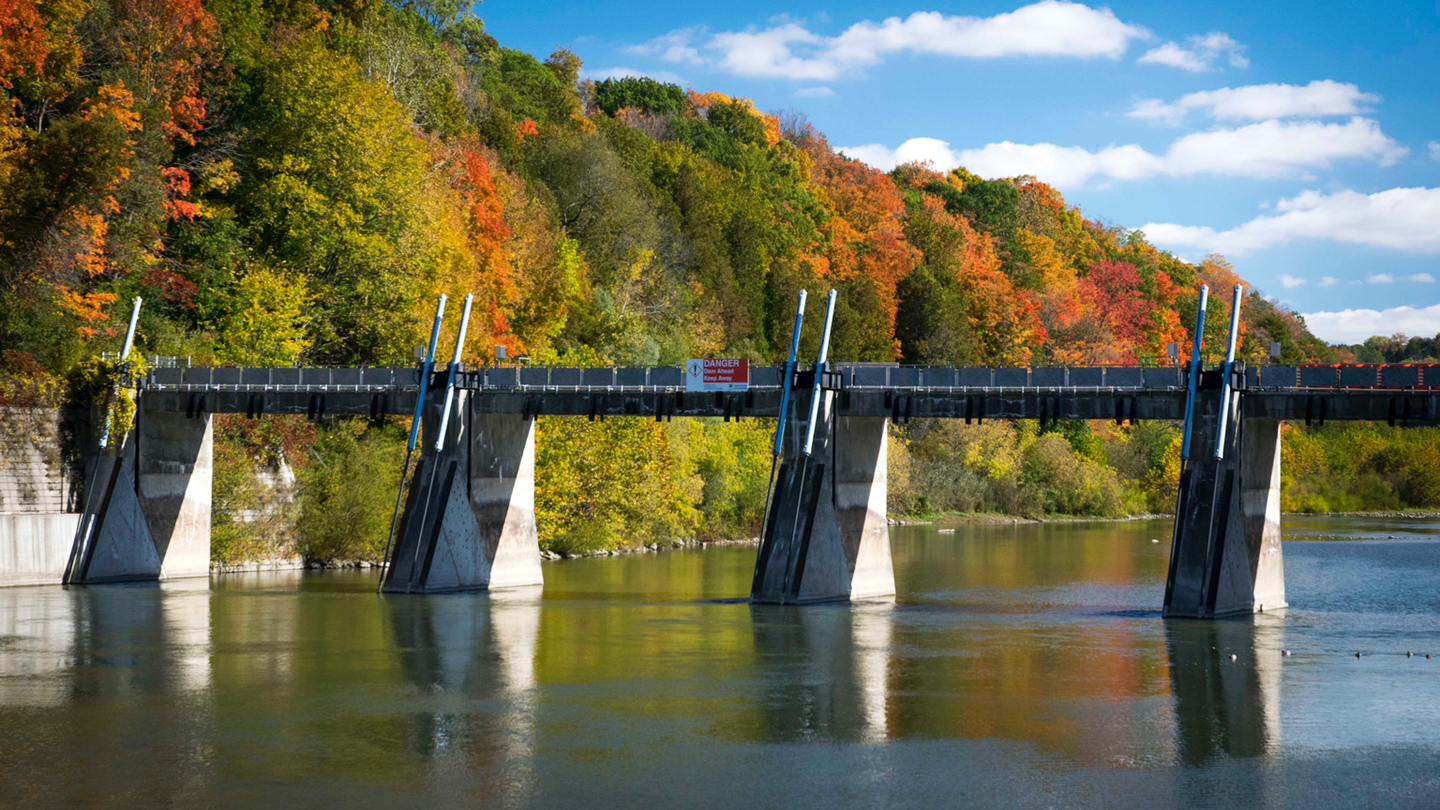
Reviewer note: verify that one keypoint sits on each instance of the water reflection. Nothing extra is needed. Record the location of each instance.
(1225, 708)
(133, 639)
(123, 672)
(825, 670)
(473, 657)
(1028, 657)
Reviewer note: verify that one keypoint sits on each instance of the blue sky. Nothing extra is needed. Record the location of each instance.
(1302, 140)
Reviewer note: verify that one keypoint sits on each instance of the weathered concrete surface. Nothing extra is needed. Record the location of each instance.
(1226, 557)
(35, 548)
(469, 520)
(39, 492)
(39, 469)
(827, 538)
(176, 470)
(502, 495)
(1260, 509)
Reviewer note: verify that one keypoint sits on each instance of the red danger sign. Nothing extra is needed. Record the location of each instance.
(717, 375)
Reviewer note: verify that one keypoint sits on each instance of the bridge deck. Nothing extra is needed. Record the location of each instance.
(1397, 394)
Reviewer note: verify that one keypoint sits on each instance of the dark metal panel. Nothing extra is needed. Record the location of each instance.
(1087, 377)
(667, 376)
(1125, 377)
(765, 376)
(198, 376)
(225, 376)
(502, 376)
(314, 376)
(535, 376)
(254, 377)
(1049, 377)
(602, 377)
(1399, 376)
(285, 376)
(1318, 376)
(1163, 377)
(904, 377)
(630, 377)
(565, 376)
(973, 377)
(168, 376)
(937, 377)
(1012, 377)
(1359, 377)
(871, 377)
(344, 376)
(1278, 376)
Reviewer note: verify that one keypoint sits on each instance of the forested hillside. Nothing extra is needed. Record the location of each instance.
(286, 181)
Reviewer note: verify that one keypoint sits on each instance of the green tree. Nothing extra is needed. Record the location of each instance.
(640, 93)
(268, 325)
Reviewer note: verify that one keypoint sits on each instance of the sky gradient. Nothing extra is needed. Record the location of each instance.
(1302, 140)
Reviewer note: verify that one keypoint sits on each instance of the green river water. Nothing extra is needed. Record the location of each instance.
(1019, 665)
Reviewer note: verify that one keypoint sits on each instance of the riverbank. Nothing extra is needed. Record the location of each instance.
(1431, 515)
(938, 521)
(985, 518)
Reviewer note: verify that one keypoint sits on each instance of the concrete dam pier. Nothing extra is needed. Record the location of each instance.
(147, 508)
(826, 536)
(469, 520)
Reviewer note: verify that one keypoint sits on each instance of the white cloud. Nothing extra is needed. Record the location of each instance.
(1399, 219)
(675, 46)
(789, 50)
(1200, 55)
(1328, 281)
(1379, 278)
(1269, 149)
(1279, 149)
(1423, 278)
(1435, 150)
(923, 150)
(1354, 325)
(1064, 167)
(1290, 282)
(814, 92)
(1257, 102)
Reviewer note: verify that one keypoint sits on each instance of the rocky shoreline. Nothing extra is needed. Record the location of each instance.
(988, 519)
(673, 545)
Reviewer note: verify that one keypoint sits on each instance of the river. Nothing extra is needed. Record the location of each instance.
(1019, 665)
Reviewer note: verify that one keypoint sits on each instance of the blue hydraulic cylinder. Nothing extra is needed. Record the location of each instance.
(789, 372)
(1229, 364)
(454, 367)
(1196, 340)
(425, 372)
(819, 369)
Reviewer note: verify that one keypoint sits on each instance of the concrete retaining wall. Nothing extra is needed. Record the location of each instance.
(38, 473)
(35, 548)
(40, 486)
